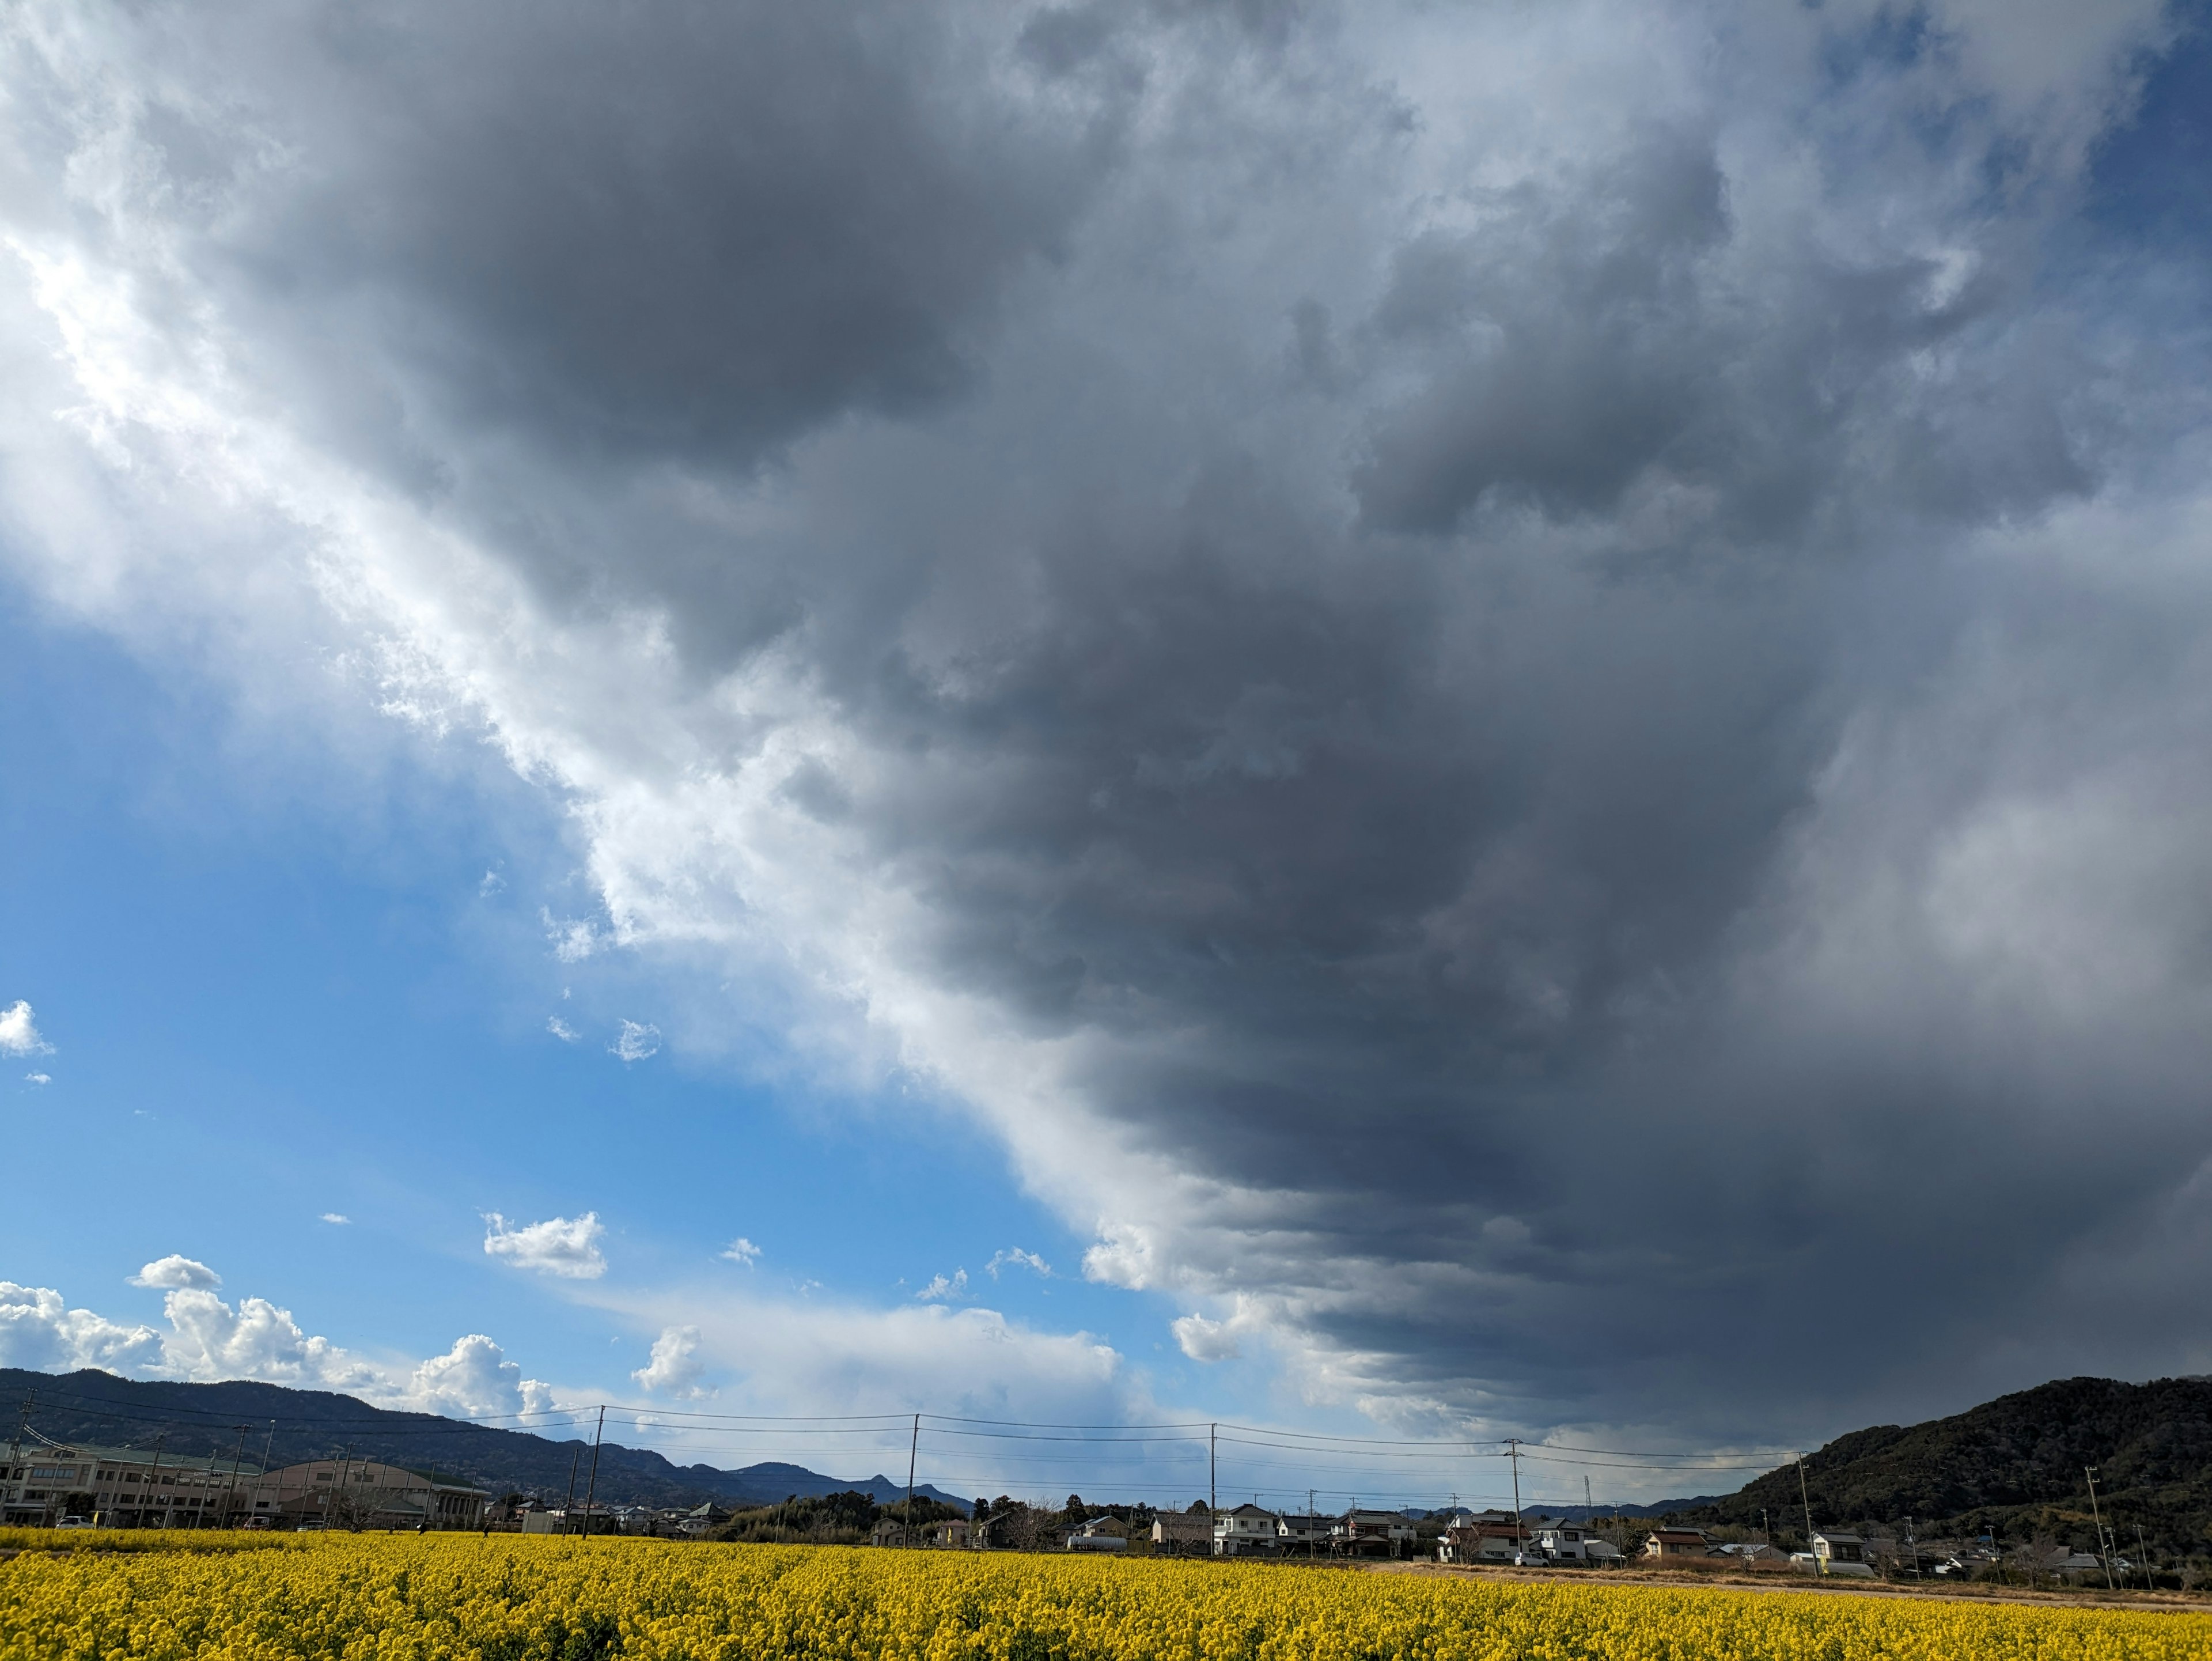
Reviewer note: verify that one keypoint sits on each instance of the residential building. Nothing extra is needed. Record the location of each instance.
(1677, 1543)
(1306, 1533)
(1374, 1533)
(1100, 1534)
(1485, 1541)
(1565, 1543)
(1246, 1531)
(1836, 1547)
(1174, 1531)
(121, 1488)
(950, 1535)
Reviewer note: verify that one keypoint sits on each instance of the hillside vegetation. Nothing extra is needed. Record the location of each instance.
(2015, 1466)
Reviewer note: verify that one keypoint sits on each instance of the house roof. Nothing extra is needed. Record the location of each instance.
(1677, 1536)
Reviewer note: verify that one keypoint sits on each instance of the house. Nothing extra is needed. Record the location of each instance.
(950, 1535)
(1486, 1543)
(1754, 1551)
(1248, 1530)
(1677, 1543)
(1836, 1553)
(1100, 1534)
(888, 1531)
(1563, 1542)
(697, 1524)
(1177, 1531)
(1367, 1531)
(1304, 1532)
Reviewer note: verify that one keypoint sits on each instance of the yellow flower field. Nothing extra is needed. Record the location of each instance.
(456, 1597)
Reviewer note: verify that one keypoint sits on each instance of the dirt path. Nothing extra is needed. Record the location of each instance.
(2155, 1602)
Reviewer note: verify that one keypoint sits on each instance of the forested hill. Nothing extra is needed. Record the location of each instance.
(2016, 1464)
(90, 1406)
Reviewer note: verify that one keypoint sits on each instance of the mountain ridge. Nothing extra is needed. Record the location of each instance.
(95, 1407)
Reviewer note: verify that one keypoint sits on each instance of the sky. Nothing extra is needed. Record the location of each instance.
(1432, 722)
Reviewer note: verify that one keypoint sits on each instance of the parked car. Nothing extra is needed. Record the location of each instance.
(73, 1523)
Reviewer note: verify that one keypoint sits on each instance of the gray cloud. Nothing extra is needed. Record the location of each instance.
(1518, 698)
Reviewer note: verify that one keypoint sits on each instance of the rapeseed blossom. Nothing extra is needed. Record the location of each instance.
(513, 1599)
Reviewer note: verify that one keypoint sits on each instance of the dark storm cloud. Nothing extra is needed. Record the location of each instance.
(1500, 654)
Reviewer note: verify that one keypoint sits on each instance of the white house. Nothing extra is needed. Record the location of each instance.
(1246, 1530)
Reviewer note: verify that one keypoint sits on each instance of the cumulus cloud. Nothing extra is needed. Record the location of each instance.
(742, 1250)
(1494, 680)
(560, 1030)
(940, 1288)
(177, 1270)
(38, 1078)
(474, 1380)
(1203, 1339)
(636, 1041)
(209, 1341)
(40, 1331)
(1014, 1256)
(675, 1369)
(19, 1031)
(337, 1217)
(562, 1246)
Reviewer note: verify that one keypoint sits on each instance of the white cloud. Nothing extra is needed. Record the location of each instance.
(636, 1043)
(567, 1247)
(1204, 1340)
(1014, 1256)
(19, 1032)
(209, 1341)
(38, 1078)
(940, 1288)
(742, 1250)
(336, 1216)
(675, 1369)
(40, 1331)
(177, 1270)
(560, 1030)
(493, 884)
(474, 1379)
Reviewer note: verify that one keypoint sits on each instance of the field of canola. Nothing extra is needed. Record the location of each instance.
(457, 1597)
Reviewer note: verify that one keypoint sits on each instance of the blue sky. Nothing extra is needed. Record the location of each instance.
(1439, 701)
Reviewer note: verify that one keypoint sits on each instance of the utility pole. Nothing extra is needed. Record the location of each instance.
(1520, 1539)
(2143, 1552)
(269, 1442)
(592, 1487)
(230, 1498)
(1912, 1540)
(2097, 1517)
(1212, 1490)
(913, 1449)
(157, 1471)
(1818, 1567)
(569, 1505)
(22, 1424)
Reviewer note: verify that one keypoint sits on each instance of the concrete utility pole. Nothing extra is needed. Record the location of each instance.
(913, 1449)
(591, 1486)
(1212, 1489)
(155, 1473)
(1520, 1541)
(238, 1455)
(267, 1443)
(2096, 1516)
(569, 1505)
(2143, 1552)
(1819, 1565)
